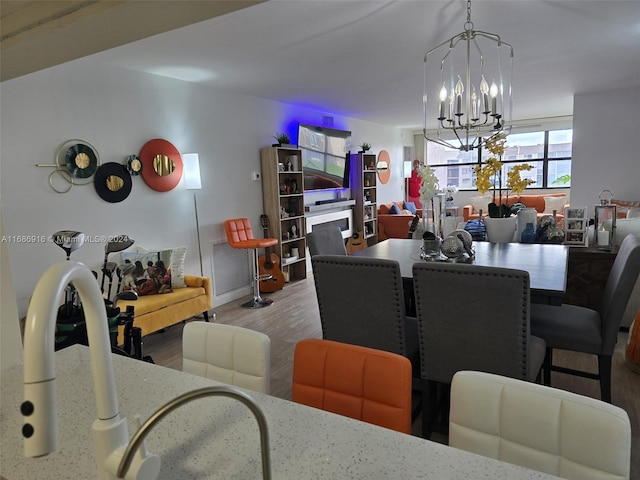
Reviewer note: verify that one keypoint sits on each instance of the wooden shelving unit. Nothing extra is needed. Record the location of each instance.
(364, 192)
(283, 199)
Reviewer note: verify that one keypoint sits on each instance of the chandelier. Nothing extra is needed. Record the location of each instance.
(467, 109)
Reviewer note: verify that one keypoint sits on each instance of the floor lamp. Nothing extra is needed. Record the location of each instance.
(406, 173)
(191, 165)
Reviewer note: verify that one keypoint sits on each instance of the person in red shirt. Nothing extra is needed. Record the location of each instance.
(415, 182)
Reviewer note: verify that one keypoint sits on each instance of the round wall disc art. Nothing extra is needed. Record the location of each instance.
(113, 182)
(383, 166)
(134, 165)
(161, 165)
(80, 158)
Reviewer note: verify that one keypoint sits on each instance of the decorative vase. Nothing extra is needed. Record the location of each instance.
(500, 230)
(525, 216)
(528, 234)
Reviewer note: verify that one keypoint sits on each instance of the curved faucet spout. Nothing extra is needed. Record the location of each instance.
(39, 360)
(170, 406)
(40, 429)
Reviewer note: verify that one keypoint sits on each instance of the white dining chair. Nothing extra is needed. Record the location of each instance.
(227, 353)
(539, 427)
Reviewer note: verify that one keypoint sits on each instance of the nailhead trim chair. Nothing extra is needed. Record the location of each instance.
(227, 353)
(580, 329)
(358, 382)
(487, 330)
(539, 427)
(361, 302)
(326, 241)
(240, 235)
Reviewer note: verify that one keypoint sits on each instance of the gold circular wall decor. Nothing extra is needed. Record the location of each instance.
(114, 183)
(134, 165)
(161, 175)
(383, 166)
(163, 165)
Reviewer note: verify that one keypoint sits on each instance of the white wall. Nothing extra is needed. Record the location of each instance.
(118, 111)
(606, 131)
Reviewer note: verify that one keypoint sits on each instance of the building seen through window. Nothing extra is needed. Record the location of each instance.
(548, 152)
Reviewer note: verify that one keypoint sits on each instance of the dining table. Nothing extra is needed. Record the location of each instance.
(546, 263)
(218, 438)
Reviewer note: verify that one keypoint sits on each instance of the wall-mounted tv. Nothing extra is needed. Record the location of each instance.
(325, 157)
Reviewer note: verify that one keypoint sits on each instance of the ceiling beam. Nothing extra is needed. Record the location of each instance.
(38, 34)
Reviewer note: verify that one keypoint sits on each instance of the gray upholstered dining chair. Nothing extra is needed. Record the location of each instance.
(580, 329)
(326, 241)
(361, 302)
(539, 427)
(472, 317)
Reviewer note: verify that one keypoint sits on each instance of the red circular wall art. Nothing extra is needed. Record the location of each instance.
(161, 165)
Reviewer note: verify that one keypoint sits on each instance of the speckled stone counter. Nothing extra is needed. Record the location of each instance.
(218, 437)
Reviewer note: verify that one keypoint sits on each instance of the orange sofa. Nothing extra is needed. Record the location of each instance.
(530, 201)
(395, 225)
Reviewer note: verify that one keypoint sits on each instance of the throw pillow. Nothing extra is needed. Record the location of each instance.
(554, 203)
(411, 206)
(394, 210)
(480, 202)
(176, 266)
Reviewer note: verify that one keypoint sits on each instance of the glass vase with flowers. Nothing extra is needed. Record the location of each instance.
(429, 190)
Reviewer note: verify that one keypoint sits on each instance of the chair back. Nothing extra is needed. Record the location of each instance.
(617, 292)
(326, 241)
(358, 382)
(473, 317)
(361, 302)
(539, 427)
(238, 230)
(227, 353)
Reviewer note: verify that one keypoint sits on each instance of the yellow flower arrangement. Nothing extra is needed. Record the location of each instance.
(489, 175)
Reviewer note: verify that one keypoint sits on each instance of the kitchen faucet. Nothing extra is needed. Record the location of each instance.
(115, 456)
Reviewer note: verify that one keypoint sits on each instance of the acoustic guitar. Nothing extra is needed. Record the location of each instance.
(269, 265)
(356, 242)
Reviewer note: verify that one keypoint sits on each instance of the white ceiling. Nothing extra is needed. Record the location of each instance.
(364, 59)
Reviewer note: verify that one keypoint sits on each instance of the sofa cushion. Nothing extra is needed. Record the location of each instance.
(554, 203)
(151, 303)
(394, 210)
(411, 206)
(480, 202)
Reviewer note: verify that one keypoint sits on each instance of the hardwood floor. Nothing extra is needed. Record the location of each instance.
(294, 316)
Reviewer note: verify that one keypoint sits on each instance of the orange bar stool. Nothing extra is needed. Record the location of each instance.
(240, 235)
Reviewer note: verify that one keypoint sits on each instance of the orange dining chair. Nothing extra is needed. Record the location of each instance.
(358, 382)
(240, 235)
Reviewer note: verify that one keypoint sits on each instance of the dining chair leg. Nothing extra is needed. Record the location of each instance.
(546, 366)
(427, 406)
(604, 368)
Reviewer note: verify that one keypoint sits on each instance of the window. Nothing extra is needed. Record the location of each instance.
(548, 152)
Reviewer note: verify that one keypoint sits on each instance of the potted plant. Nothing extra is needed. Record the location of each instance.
(365, 147)
(282, 139)
(489, 176)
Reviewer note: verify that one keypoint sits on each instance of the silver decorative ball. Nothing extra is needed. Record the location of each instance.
(452, 247)
(467, 239)
(546, 221)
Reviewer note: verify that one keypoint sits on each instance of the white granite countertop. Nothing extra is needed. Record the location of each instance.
(217, 438)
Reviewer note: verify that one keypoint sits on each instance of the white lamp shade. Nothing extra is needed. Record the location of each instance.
(191, 166)
(406, 168)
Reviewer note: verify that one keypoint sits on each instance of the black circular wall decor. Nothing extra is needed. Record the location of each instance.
(112, 182)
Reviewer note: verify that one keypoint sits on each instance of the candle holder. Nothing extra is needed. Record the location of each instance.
(605, 222)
